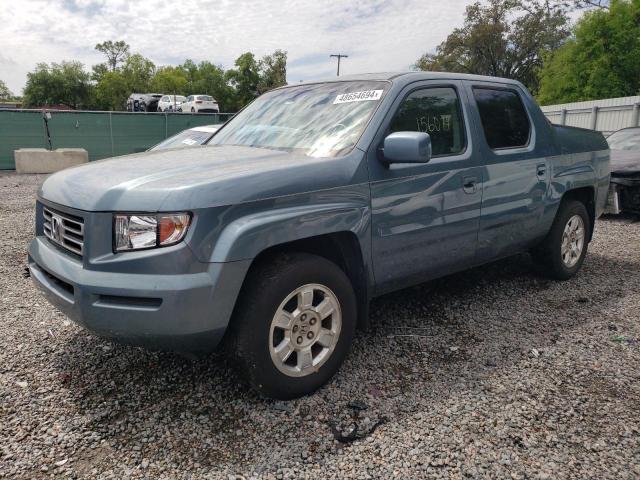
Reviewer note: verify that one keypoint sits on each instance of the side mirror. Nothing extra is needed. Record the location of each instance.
(407, 147)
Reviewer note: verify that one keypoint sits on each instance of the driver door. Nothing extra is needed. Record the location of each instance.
(425, 217)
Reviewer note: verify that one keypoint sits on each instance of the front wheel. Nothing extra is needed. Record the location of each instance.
(562, 252)
(294, 325)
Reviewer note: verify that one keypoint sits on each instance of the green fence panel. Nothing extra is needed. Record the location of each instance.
(137, 132)
(19, 130)
(81, 130)
(102, 134)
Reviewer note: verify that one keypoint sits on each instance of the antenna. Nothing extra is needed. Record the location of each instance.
(338, 56)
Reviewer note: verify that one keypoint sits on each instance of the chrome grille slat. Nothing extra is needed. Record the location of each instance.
(70, 233)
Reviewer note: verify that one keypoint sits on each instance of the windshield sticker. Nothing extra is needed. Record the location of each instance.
(364, 96)
(189, 141)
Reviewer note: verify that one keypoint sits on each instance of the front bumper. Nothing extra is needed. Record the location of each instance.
(182, 312)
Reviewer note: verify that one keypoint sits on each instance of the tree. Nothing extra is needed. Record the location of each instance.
(5, 93)
(116, 52)
(65, 83)
(503, 38)
(245, 78)
(591, 4)
(98, 71)
(602, 59)
(138, 72)
(112, 91)
(169, 80)
(210, 79)
(273, 71)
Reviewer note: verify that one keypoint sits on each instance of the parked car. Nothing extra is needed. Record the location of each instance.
(170, 103)
(624, 193)
(311, 201)
(200, 104)
(188, 138)
(143, 102)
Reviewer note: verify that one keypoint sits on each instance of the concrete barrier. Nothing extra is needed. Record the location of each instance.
(41, 160)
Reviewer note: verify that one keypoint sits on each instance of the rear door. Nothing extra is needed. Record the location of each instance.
(514, 142)
(425, 216)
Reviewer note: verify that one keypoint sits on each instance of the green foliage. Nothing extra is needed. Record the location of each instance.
(138, 72)
(170, 80)
(244, 78)
(116, 52)
(5, 93)
(112, 91)
(65, 83)
(208, 79)
(251, 77)
(273, 71)
(110, 83)
(503, 38)
(602, 60)
(98, 71)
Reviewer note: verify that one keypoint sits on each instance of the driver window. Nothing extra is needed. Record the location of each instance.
(435, 111)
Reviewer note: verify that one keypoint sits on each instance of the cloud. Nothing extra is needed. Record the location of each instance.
(378, 35)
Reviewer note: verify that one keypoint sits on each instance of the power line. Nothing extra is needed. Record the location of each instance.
(338, 56)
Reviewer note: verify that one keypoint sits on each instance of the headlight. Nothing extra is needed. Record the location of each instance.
(137, 232)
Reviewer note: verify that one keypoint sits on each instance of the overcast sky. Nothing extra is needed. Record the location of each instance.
(378, 35)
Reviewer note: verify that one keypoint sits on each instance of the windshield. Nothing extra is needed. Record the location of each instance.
(627, 139)
(319, 120)
(187, 138)
(206, 98)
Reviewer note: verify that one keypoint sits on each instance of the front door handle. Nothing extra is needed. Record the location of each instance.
(541, 170)
(470, 184)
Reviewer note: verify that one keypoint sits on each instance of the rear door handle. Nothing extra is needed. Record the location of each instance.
(470, 184)
(541, 170)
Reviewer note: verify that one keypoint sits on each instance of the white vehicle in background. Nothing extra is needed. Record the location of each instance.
(200, 104)
(171, 103)
(188, 138)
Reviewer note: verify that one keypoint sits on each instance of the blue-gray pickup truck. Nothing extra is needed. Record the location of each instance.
(314, 199)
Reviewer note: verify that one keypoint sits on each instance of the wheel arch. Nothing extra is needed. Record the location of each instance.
(342, 248)
(587, 196)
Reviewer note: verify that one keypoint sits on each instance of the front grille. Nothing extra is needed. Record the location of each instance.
(64, 230)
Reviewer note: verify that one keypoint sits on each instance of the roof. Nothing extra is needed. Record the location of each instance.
(413, 76)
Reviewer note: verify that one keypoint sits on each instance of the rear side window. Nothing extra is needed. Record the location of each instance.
(435, 111)
(504, 119)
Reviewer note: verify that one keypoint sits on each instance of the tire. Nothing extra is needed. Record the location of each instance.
(559, 263)
(193, 110)
(254, 335)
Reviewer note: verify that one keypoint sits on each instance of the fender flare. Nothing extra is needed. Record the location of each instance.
(246, 237)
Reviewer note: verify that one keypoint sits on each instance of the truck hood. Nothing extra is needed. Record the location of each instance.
(196, 177)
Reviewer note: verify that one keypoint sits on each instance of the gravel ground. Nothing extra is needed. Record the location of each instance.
(496, 372)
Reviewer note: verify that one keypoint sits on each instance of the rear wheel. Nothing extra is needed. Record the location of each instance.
(294, 324)
(193, 110)
(562, 252)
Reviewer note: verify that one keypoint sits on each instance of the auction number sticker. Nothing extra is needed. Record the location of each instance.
(364, 96)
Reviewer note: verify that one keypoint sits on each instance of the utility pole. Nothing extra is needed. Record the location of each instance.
(339, 56)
